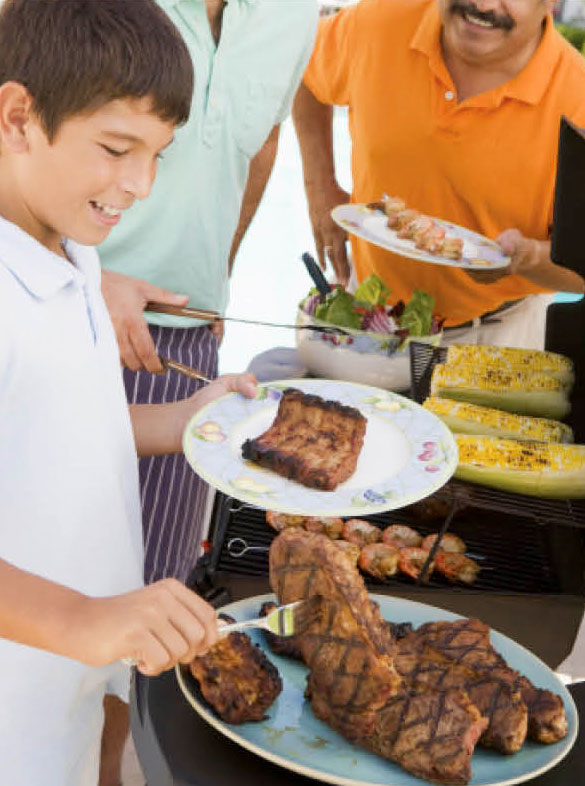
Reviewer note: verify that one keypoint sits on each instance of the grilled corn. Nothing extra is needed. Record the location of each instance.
(523, 393)
(474, 419)
(534, 468)
(513, 360)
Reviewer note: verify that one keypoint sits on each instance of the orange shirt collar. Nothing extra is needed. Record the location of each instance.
(528, 86)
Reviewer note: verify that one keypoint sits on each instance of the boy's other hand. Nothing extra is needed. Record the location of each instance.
(126, 299)
(246, 384)
(156, 626)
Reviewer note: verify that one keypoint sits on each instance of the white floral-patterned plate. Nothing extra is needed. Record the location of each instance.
(479, 252)
(408, 453)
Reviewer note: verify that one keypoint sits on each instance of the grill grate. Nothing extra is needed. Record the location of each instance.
(516, 556)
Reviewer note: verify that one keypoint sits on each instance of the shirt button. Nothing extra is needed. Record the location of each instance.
(449, 95)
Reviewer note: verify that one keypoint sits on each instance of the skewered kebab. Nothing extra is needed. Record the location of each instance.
(406, 551)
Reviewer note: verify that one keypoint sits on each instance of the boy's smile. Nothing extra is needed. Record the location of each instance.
(78, 184)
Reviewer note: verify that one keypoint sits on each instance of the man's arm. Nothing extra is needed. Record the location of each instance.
(259, 172)
(314, 126)
(531, 259)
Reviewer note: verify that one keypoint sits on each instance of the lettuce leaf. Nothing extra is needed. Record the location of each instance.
(418, 314)
(372, 291)
(338, 308)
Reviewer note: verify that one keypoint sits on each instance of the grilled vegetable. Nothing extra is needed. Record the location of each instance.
(524, 393)
(538, 469)
(466, 418)
(513, 359)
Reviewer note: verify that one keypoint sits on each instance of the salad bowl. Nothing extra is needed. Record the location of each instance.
(378, 355)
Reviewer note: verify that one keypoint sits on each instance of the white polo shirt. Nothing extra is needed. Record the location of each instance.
(69, 499)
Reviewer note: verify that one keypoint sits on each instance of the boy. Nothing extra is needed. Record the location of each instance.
(90, 93)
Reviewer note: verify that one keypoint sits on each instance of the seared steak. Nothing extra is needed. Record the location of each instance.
(423, 667)
(352, 684)
(467, 642)
(237, 679)
(313, 441)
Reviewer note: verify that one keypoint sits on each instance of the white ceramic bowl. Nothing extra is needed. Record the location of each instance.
(370, 358)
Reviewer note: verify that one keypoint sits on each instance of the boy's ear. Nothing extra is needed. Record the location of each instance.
(15, 113)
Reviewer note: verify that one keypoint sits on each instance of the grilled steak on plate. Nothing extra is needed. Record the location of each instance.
(313, 441)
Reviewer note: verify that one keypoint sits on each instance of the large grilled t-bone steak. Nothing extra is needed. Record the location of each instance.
(352, 684)
(313, 441)
(467, 642)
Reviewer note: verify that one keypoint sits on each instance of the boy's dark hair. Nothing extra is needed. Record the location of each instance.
(76, 55)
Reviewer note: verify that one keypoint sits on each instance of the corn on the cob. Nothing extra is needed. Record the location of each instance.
(534, 468)
(513, 359)
(466, 418)
(523, 393)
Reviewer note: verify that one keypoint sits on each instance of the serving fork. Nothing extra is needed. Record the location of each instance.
(289, 620)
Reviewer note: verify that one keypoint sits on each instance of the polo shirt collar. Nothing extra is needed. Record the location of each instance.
(41, 272)
(528, 86)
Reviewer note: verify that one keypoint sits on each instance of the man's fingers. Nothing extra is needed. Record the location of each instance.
(339, 259)
(320, 249)
(153, 657)
(127, 354)
(160, 295)
(143, 346)
(487, 276)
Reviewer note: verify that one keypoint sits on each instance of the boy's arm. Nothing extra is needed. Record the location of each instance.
(158, 428)
(157, 626)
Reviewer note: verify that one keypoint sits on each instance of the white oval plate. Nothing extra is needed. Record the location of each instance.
(292, 737)
(479, 253)
(408, 453)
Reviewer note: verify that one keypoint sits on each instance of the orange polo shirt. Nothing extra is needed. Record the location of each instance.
(487, 163)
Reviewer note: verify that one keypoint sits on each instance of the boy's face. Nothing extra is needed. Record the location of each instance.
(96, 166)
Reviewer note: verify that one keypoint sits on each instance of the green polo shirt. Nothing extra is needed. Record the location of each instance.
(180, 237)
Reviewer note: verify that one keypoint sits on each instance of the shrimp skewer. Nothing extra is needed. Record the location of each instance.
(412, 560)
(379, 560)
(457, 567)
(449, 542)
(400, 536)
(361, 532)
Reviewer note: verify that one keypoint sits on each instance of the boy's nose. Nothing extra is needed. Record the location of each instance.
(138, 180)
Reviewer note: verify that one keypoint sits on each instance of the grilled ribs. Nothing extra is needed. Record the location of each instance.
(467, 642)
(313, 441)
(352, 684)
(237, 679)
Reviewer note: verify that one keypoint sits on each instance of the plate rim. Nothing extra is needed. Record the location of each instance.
(225, 729)
(391, 503)
(415, 254)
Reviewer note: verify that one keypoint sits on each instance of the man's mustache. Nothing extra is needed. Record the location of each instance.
(503, 22)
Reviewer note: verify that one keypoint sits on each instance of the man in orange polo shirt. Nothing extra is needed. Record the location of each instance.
(454, 106)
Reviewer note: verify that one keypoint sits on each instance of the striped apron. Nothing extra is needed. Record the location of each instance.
(174, 499)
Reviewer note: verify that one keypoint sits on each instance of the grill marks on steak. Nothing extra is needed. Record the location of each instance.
(467, 643)
(424, 667)
(353, 685)
(237, 679)
(313, 441)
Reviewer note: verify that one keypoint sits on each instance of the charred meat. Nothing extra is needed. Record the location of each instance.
(313, 441)
(353, 684)
(467, 642)
(237, 679)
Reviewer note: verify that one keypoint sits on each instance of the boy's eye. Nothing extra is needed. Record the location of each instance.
(112, 152)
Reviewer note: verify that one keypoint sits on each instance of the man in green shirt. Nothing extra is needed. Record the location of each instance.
(249, 56)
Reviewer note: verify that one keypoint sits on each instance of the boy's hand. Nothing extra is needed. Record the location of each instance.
(157, 626)
(126, 298)
(246, 384)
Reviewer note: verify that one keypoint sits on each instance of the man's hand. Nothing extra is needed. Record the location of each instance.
(330, 239)
(157, 626)
(528, 257)
(531, 259)
(126, 299)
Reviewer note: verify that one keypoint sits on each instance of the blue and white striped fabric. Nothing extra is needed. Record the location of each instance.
(174, 498)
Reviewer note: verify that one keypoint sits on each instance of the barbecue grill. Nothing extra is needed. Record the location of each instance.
(526, 547)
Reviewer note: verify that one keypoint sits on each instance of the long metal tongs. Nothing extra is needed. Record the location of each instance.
(213, 316)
